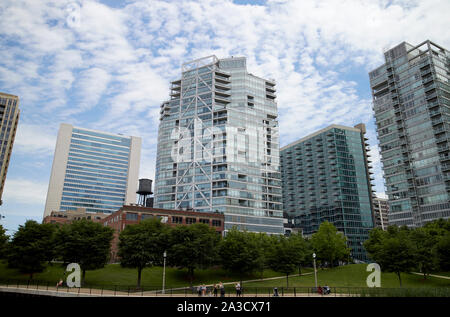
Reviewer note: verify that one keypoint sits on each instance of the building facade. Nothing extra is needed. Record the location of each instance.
(68, 216)
(94, 170)
(9, 119)
(411, 101)
(129, 215)
(218, 145)
(326, 176)
(381, 211)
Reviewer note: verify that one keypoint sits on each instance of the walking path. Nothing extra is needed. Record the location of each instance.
(438, 276)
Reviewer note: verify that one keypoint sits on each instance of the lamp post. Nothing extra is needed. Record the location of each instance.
(315, 272)
(164, 272)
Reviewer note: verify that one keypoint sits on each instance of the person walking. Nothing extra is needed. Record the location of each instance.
(222, 290)
(238, 290)
(203, 290)
(215, 290)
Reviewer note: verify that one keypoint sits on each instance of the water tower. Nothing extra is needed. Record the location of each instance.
(145, 190)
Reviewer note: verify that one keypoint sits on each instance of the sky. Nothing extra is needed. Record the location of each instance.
(107, 65)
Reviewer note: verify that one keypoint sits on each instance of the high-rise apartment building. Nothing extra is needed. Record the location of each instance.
(94, 170)
(218, 145)
(411, 101)
(381, 211)
(326, 176)
(9, 119)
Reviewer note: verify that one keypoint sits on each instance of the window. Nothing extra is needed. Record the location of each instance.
(205, 221)
(190, 221)
(132, 216)
(178, 220)
(217, 223)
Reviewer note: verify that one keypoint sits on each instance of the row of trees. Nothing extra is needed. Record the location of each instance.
(34, 245)
(397, 250)
(199, 246)
(188, 247)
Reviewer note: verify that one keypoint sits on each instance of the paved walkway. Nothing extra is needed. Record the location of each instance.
(438, 276)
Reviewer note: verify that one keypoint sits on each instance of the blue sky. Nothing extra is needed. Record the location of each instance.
(107, 65)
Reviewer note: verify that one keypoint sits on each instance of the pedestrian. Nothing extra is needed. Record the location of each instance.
(215, 290)
(199, 290)
(222, 290)
(238, 290)
(203, 290)
(275, 292)
(319, 290)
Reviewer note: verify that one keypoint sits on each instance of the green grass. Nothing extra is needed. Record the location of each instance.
(351, 276)
(114, 275)
(354, 276)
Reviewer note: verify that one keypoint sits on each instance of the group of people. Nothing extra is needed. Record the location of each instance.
(216, 289)
(324, 290)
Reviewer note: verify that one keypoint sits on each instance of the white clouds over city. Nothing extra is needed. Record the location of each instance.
(111, 70)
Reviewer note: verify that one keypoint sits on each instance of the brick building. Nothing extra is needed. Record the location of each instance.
(67, 216)
(130, 214)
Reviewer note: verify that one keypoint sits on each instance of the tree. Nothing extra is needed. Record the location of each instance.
(142, 245)
(329, 244)
(30, 247)
(286, 256)
(84, 242)
(424, 243)
(240, 252)
(392, 250)
(192, 247)
(303, 248)
(442, 249)
(3, 242)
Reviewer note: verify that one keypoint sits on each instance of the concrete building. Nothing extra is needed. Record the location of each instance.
(411, 101)
(129, 215)
(94, 170)
(67, 217)
(381, 211)
(9, 119)
(218, 145)
(326, 176)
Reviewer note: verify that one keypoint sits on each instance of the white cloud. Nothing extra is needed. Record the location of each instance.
(34, 139)
(25, 191)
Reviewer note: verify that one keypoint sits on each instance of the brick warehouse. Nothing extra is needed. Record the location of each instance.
(130, 214)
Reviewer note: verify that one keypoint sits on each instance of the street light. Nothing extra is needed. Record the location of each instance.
(315, 272)
(164, 272)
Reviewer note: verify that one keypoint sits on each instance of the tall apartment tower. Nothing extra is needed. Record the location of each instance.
(94, 170)
(411, 101)
(9, 119)
(327, 176)
(218, 145)
(381, 211)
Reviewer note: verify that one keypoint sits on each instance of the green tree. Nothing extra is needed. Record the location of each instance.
(192, 247)
(286, 256)
(424, 243)
(304, 249)
(143, 245)
(3, 242)
(392, 250)
(240, 252)
(442, 249)
(329, 244)
(31, 246)
(84, 242)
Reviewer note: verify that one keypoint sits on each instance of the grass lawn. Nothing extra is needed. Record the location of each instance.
(354, 276)
(114, 275)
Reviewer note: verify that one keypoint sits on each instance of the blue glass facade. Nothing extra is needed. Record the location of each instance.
(91, 170)
(326, 177)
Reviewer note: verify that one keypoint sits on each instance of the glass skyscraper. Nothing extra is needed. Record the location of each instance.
(326, 176)
(9, 119)
(94, 170)
(411, 101)
(218, 145)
